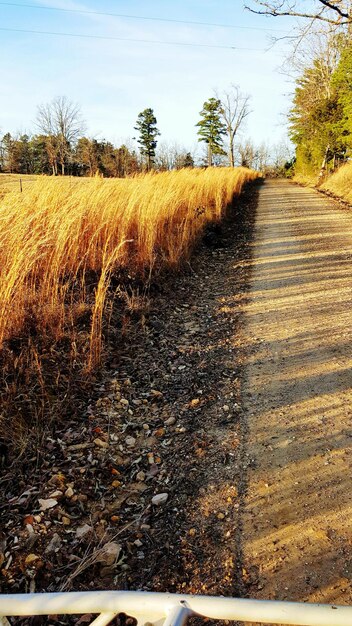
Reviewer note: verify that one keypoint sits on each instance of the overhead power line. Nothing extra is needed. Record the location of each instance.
(152, 41)
(137, 17)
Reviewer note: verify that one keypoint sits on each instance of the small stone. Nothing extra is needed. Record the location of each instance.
(66, 520)
(109, 554)
(138, 543)
(160, 498)
(124, 401)
(107, 572)
(194, 402)
(31, 558)
(116, 483)
(57, 480)
(130, 442)
(100, 443)
(69, 492)
(146, 427)
(47, 504)
(192, 532)
(151, 458)
(156, 393)
(226, 408)
(170, 421)
(220, 516)
(141, 476)
(56, 494)
(82, 531)
(54, 545)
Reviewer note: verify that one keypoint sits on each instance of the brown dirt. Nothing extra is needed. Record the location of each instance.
(297, 515)
(249, 356)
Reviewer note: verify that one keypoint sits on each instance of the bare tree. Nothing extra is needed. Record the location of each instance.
(234, 110)
(247, 153)
(335, 12)
(61, 122)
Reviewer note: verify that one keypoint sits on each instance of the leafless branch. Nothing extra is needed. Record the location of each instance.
(338, 13)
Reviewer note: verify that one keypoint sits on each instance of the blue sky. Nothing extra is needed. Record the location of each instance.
(114, 80)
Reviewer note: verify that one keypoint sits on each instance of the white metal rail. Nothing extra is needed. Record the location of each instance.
(166, 609)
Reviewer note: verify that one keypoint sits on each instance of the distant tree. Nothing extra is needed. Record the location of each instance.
(247, 154)
(211, 128)
(148, 133)
(8, 153)
(126, 161)
(317, 119)
(172, 156)
(341, 83)
(25, 154)
(87, 156)
(40, 160)
(185, 160)
(61, 121)
(234, 108)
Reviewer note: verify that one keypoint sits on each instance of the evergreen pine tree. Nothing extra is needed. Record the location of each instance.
(148, 132)
(212, 128)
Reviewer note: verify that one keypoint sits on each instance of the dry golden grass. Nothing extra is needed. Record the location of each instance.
(305, 180)
(59, 233)
(340, 183)
(13, 182)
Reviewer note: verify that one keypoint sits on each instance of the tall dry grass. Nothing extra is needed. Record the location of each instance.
(61, 241)
(340, 183)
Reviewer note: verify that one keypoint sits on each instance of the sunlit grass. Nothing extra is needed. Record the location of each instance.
(59, 232)
(340, 183)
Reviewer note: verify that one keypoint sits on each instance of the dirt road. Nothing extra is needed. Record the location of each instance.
(297, 515)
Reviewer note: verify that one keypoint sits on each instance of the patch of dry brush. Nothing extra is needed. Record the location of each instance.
(62, 240)
(340, 183)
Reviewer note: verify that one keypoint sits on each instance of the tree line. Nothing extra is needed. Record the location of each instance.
(61, 147)
(321, 115)
(320, 119)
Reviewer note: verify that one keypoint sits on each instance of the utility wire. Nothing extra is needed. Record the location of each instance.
(137, 17)
(153, 41)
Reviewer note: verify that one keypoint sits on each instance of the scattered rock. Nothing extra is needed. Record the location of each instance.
(130, 442)
(31, 558)
(69, 492)
(44, 505)
(54, 545)
(83, 531)
(160, 498)
(56, 494)
(109, 554)
(100, 443)
(170, 421)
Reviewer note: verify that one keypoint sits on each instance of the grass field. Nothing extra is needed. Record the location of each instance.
(61, 240)
(14, 182)
(340, 183)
